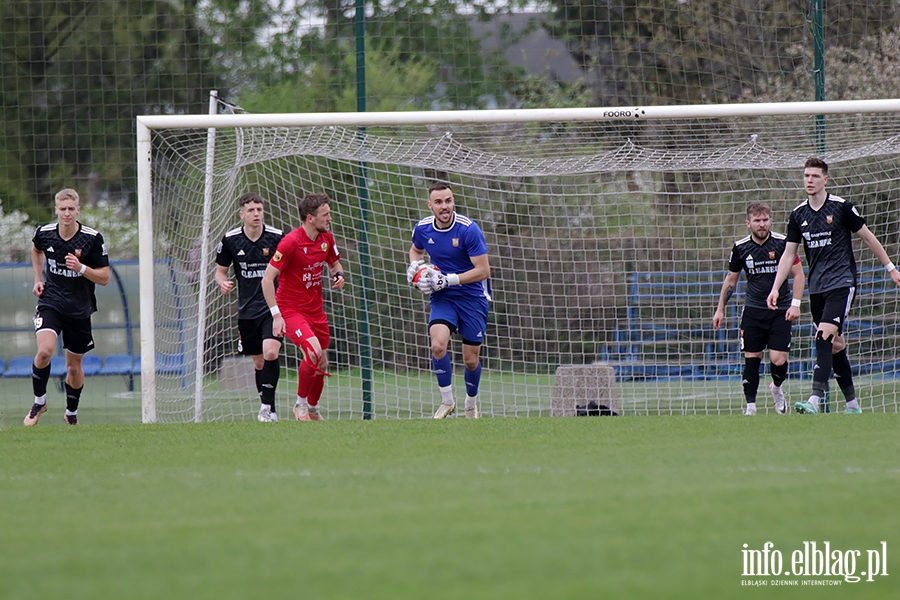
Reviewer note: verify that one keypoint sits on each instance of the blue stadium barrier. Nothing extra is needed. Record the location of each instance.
(647, 345)
(20, 366)
(8, 273)
(117, 364)
(58, 366)
(91, 364)
(170, 364)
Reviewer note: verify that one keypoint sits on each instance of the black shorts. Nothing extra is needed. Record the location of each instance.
(76, 334)
(252, 334)
(761, 328)
(832, 306)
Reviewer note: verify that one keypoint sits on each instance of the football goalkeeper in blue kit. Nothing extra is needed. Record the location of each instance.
(460, 291)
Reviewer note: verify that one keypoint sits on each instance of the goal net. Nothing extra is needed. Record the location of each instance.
(608, 235)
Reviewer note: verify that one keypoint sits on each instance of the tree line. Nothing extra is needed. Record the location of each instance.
(75, 73)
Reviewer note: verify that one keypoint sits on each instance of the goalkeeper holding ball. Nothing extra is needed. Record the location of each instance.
(459, 288)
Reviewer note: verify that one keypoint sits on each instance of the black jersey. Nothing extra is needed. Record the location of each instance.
(69, 292)
(250, 260)
(760, 262)
(826, 236)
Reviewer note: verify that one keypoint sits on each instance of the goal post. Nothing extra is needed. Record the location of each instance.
(608, 232)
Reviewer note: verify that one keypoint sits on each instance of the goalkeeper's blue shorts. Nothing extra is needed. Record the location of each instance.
(466, 315)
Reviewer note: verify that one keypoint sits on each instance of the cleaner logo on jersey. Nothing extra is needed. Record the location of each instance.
(324, 246)
(829, 219)
(455, 242)
(771, 255)
(77, 252)
(277, 257)
(265, 251)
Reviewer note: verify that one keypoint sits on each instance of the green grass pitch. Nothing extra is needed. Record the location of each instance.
(631, 507)
(414, 395)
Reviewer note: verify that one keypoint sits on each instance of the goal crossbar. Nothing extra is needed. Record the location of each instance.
(537, 115)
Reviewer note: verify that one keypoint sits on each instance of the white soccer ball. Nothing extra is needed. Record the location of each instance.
(423, 274)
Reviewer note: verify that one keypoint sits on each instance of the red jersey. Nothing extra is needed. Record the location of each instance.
(301, 261)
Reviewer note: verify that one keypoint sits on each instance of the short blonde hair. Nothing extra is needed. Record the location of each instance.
(68, 194)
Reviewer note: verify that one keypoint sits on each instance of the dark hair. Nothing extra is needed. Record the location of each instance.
(816, 163)
(248, 198)
(311, 203)
(757, 208)
(438, 185)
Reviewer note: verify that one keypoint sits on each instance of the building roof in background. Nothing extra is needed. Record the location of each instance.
(537, 52)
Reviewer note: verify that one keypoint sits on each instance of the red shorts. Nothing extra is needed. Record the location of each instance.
(299, 327)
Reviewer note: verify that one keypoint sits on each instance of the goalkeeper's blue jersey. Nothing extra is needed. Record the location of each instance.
(450, 251)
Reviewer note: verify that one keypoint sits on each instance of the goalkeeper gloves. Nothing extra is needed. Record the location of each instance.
(425, 284)
(412, 269)
(439, 280)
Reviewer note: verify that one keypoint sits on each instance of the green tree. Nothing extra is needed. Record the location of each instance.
(420, 32)
(75, 74)
(387, 74)
(701, 51)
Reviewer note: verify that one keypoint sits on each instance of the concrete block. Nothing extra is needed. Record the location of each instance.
(579, 384)
(237, 373)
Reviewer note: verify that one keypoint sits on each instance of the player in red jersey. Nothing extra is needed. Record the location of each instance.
(297, 306)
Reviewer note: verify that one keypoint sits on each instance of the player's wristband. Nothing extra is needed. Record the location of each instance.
(275, 310)
(339, 274)
(889, 267)
(82, 270)
(452, 279)
(795, 302)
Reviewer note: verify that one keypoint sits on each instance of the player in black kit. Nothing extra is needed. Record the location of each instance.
(824, 223)
(758, 254)
(249, 248)
(68, 260)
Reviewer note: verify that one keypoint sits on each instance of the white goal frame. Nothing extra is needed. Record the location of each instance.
(145, 125)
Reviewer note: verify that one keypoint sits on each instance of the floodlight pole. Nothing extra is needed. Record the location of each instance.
(362, 185)
(819, 59)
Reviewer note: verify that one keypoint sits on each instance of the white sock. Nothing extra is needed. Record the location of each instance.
(40, 400)
(70, 413)
(853, 404)
(301, 402)
(814, 400)
(447, 395)
(751, 408)
(470, 401)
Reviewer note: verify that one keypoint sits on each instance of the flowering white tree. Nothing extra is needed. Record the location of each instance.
(117, 224)
(16, 232)
(869, 70)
